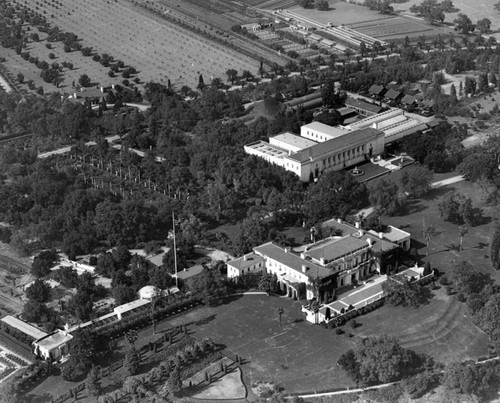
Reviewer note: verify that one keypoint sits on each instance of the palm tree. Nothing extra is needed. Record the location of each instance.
(462, 232)
(428, 232)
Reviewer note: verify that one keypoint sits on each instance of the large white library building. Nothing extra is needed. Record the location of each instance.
(321, 148)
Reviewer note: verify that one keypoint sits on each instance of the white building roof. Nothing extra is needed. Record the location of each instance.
(293, 140)
(149, 292)
(24, 327)
(245, 261)
(130, 306)
(54, 340)
(330, 131)
(394, 234)
(380, 117)
(265, 148)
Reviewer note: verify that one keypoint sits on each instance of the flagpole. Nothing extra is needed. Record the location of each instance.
(175, 252)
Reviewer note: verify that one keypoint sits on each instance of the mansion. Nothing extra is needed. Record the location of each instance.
(323, 268)
(321, 148)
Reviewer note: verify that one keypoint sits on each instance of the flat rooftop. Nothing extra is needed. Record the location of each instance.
(395, 234)
(294, 140)
(189, 272)
(330, 131)
(131, 305)
(54, 340)
(266, 148)
(24, 327)
(245, 261)
(336, 248)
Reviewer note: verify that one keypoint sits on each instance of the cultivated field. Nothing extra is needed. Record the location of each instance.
(390, 29)
(156, 48)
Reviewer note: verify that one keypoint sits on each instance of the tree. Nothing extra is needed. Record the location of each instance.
(416, 180)
(335, 194)
(463, 24)
(209, 286)
(462, 231)
(34, 311)
(381, 359)
(43, 262)
(132, 361)
(93, 382)
(175, 381)
(201, 83)
(84, 80)
(400, 291)
(39, 291)
(428, 233)
(232, 75)
(468, 281)
(268, 282)
(483, 25)
(20, 78)
(306, 3)
(332, 96)
(466, 378)
(385, 197)
(495, 248)
(322, 5)
(83, 347)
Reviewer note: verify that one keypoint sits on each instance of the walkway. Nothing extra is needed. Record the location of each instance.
(449, 181)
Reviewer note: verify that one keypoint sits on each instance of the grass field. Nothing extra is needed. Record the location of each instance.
(476, 10)
(340, 13)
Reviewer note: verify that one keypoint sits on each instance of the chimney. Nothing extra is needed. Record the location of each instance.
(357, 224)
(322, 261)
(361, 232)
(304, 268)
(375, 125)
(245, 258)
(381, 235)
(369, 240)
(339, 220)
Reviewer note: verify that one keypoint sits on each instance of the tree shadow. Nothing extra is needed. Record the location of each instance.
(481, 245)
(433, 194)
(46, 397)
(451, 247)
(479, 218)
(412, 207)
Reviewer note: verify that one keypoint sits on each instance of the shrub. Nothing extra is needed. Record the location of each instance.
(443, 280)
(339, 331)
(461, 297)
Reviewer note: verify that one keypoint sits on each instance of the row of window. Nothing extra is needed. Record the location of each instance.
(344, 156)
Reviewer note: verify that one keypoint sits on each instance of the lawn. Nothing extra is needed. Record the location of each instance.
(440, 328)
(444, 246)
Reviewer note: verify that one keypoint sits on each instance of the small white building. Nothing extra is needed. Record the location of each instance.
(246, 264)
(149, 292)
(129, 308)
(321, 132)
(53, 346)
